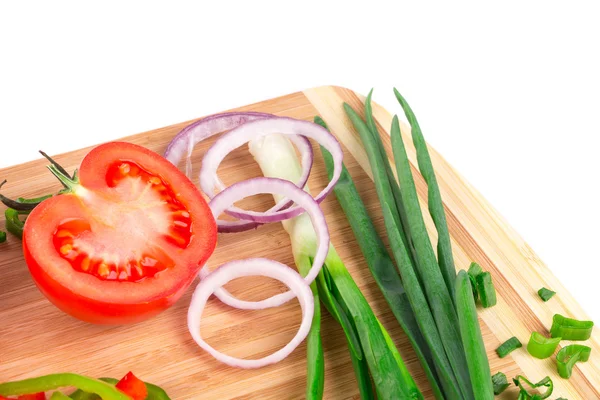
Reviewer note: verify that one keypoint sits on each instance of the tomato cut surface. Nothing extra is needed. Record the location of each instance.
(126, 243)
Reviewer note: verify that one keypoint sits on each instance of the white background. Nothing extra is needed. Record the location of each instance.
(507, 92)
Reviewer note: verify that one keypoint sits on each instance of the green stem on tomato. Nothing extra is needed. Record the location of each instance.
(58, 166)
(70, 183)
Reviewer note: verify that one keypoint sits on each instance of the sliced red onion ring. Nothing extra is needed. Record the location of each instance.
(235, 138)
(184, 142)
(243, 268)
(255, 186)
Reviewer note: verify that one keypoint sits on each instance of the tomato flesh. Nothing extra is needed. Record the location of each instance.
(126, 243)
(77, 243)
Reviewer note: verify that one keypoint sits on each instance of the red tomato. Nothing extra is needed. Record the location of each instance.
(126, 243)
(133, 387)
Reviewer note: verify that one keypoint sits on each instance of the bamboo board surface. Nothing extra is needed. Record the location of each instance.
(36, 338)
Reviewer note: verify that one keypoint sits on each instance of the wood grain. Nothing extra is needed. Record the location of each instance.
(36, 338)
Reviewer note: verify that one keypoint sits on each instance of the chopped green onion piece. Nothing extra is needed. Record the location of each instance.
(474, 288)
(2, 237)
(508, 347)
(499, 382)
(570, 329)
(561, 398)
(474, 270)
(568, 356)
(521, 381)
(540, 346)
(485, 287)
(545, 294)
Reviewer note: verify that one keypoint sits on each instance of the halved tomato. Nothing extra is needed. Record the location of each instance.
(127, 240)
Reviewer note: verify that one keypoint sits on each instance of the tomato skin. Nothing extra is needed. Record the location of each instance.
(133, 387)
(94, 300)
(93, 311)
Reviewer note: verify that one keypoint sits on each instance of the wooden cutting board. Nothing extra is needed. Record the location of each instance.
(36, 338)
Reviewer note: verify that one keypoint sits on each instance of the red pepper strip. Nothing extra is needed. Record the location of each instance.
(133, 387)
(37, 396)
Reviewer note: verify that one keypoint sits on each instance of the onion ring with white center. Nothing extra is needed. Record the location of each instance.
(244, 268)
(184, 142)
(255, 186)
(209, 180)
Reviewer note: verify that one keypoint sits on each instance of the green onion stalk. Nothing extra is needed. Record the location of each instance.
(444, 321)
(372, 352)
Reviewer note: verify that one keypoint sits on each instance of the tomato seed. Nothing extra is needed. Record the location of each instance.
(66, 249)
